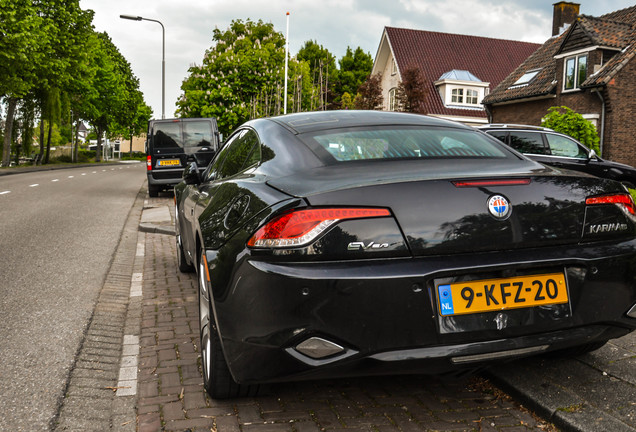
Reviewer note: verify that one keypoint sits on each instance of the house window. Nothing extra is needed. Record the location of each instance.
(471, 96)
(457, 96)
(575, 72)
(526, 77)
(392, 102)
(393, 67)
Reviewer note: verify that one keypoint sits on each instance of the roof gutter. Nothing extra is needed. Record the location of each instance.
(600, 95)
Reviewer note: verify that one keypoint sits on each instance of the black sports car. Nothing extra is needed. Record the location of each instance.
(359, 243)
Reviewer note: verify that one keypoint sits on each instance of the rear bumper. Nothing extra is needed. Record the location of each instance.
(384, 313)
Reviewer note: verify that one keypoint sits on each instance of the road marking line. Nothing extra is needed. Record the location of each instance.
(34, 185)
(55, 180)
(71, 176)
(127, 383)
(136, 284)
(4, 192)
(83, 173)
(141, 248)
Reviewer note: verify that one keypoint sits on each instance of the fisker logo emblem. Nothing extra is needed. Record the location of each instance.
(499, 207)
(356, 246)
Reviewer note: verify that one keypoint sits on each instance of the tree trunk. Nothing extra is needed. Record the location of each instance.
(41, 155)
(48, 142)
(8, 132)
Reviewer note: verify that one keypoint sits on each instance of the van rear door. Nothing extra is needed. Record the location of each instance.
(200, 140)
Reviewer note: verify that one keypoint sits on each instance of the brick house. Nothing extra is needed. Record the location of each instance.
(589, 67)
(459, 70)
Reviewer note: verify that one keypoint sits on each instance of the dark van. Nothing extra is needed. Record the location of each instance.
(171, 143)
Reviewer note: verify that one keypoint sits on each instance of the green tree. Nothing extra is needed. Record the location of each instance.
(565, 120)
(241, 76)
(23, 37)
(355, 67)
(322, 71)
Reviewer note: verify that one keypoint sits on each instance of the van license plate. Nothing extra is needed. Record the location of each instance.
(169, 162)
(497, 294)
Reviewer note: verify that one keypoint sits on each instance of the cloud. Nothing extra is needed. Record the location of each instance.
(335, 24)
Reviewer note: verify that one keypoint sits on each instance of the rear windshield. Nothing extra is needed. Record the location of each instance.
(197, 133)
(167, 135)
(403, 143)
(182, 134)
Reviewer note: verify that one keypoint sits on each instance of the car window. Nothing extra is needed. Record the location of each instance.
(501, 136)
(166, 135)
(213, 171)
(527, 142)
(197, 133)
(563, 146)
(238, 153)
(406, 142)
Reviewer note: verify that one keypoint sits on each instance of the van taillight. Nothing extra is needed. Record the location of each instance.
(149, 163)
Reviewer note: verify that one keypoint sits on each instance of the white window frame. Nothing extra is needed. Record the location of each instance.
(393, 66)
(576, 59)
(457, 95)
(392, 99)
(470, 95)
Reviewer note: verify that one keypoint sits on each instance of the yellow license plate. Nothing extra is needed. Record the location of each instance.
(169, 162)
(497, 294)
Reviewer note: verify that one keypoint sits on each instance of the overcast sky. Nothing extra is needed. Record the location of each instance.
(334, 24)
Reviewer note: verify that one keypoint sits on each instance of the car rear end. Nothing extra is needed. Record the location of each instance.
(174, 142)
(429, 252)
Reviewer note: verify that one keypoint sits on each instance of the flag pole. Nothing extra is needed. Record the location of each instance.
(286, 55)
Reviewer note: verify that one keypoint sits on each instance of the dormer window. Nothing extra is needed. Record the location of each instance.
(461, 89)
(575, 72)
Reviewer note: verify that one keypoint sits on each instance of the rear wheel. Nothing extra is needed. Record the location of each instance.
(184, 267)
(217, 379)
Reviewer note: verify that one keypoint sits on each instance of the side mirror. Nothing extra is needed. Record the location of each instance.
(592, 155)
(191, 174)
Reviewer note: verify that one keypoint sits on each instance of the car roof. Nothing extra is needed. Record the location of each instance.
(324, 120)
(514, 126)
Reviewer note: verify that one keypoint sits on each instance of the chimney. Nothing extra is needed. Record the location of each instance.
(564, 14)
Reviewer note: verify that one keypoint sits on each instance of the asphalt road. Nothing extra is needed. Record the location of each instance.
(58, 232)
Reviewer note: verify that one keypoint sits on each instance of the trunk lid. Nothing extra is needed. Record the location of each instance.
(439, 216)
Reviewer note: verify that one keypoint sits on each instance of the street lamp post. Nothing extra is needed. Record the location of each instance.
(163, 59)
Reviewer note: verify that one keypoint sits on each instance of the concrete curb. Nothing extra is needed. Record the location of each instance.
(90, 401)
(568, 392)
(156, 229)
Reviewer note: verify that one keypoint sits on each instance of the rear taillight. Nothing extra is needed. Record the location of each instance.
(149, 163)
(622, 200)
(301, 227)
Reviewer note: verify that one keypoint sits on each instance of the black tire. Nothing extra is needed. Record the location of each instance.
(182, 262)
(217, 379)
(153, 191)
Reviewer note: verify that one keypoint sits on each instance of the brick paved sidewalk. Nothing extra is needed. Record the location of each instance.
(171, 395)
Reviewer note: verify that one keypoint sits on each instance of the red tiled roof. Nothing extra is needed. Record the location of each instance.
(606, 32)
(490, 60)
